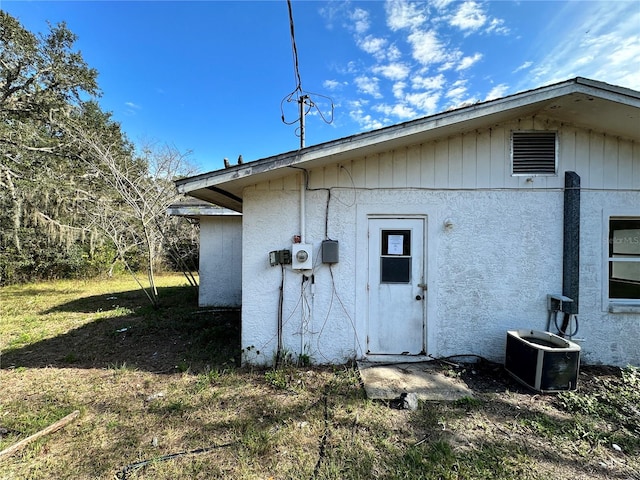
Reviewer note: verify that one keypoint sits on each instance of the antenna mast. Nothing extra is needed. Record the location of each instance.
(302, 100)
(305, 103)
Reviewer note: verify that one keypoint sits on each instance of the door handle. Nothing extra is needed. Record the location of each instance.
(423, 286)
(418, 297)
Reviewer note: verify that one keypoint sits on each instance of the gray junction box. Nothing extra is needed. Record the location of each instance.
(330, 252)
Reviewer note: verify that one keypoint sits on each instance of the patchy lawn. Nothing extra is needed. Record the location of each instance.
(151, 384)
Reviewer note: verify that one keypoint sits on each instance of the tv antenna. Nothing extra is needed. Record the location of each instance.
(304, 99)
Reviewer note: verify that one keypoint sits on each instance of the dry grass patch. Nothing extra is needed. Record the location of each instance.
(161, 397)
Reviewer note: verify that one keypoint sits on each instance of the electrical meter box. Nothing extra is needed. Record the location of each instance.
(330, 251)
(301, 256)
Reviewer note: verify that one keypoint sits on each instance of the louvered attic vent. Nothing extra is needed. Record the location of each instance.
(533, 153)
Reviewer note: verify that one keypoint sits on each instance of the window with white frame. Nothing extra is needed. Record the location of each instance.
(624, 259)
(534, 152)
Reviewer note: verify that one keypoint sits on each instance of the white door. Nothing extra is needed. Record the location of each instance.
(397, 289)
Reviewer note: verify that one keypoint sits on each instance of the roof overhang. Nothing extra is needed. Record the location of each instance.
(199, 210)
(580, 102)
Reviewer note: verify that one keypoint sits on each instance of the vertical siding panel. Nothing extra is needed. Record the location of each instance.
(528, 182)
(499, 164)
(483, 159)
(469, 160)
(399, 157)
(540, 124)
(331, 175)
(386, 170)
(525, 124)
(358, 172)
(636, 166)
(582, 157)
(625, 165)
(455, 161)
(428, 165)
(292, 182)
(276, 184)
(344, 174)
(567, 150)
(596, 160)
(442, 164)
(316, 178)
(372, 171)
(413, 166)
(510, 181)
(610, 162)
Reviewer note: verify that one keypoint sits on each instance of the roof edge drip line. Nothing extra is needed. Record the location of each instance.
(225, 193)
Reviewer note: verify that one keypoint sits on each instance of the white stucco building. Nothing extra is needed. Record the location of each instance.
(220, 264)
(450, 230)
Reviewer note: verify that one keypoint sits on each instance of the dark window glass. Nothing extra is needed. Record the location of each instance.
(395, 270)
(624, 258)
(395, 258)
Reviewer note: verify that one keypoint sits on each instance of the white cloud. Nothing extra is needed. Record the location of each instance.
(360, 20)
(467, 62)
(373, 45)
(626, 51)
(426, 102)
(469, 17)
(392, 71)
(132, 105)
(428, 83)
(333, 84)
(441, 4)
(524, 66)
(398, 89)
(427, 48)
(457, 90)
(498, 91)
(368, 85)
(366, 122)
(404, 14)
(451, 61)
(600, 41)
(399, 110)
(497, 26)
(393, 53)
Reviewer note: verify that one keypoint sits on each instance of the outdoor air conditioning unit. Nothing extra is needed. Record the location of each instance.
(542, 361)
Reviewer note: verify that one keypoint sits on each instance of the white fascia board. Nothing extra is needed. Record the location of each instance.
(200, 211)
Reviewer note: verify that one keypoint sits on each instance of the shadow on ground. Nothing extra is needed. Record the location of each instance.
(177, 336)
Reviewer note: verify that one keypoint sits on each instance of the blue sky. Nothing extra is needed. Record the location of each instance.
(209, 76)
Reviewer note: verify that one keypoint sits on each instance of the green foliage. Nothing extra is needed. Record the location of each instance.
(615, 404)
(279, 378)
(469, 403)
(74, 194)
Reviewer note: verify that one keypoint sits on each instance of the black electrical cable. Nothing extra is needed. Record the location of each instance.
(294, 49)
(298, 93)
(122, 475)
(566, 323)
(280, 306)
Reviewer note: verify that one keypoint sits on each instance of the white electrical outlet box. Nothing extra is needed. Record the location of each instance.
(301, 256)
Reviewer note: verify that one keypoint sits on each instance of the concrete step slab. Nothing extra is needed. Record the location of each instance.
(424, 379)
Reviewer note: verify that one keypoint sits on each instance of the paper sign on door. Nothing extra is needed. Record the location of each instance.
(395, 245)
